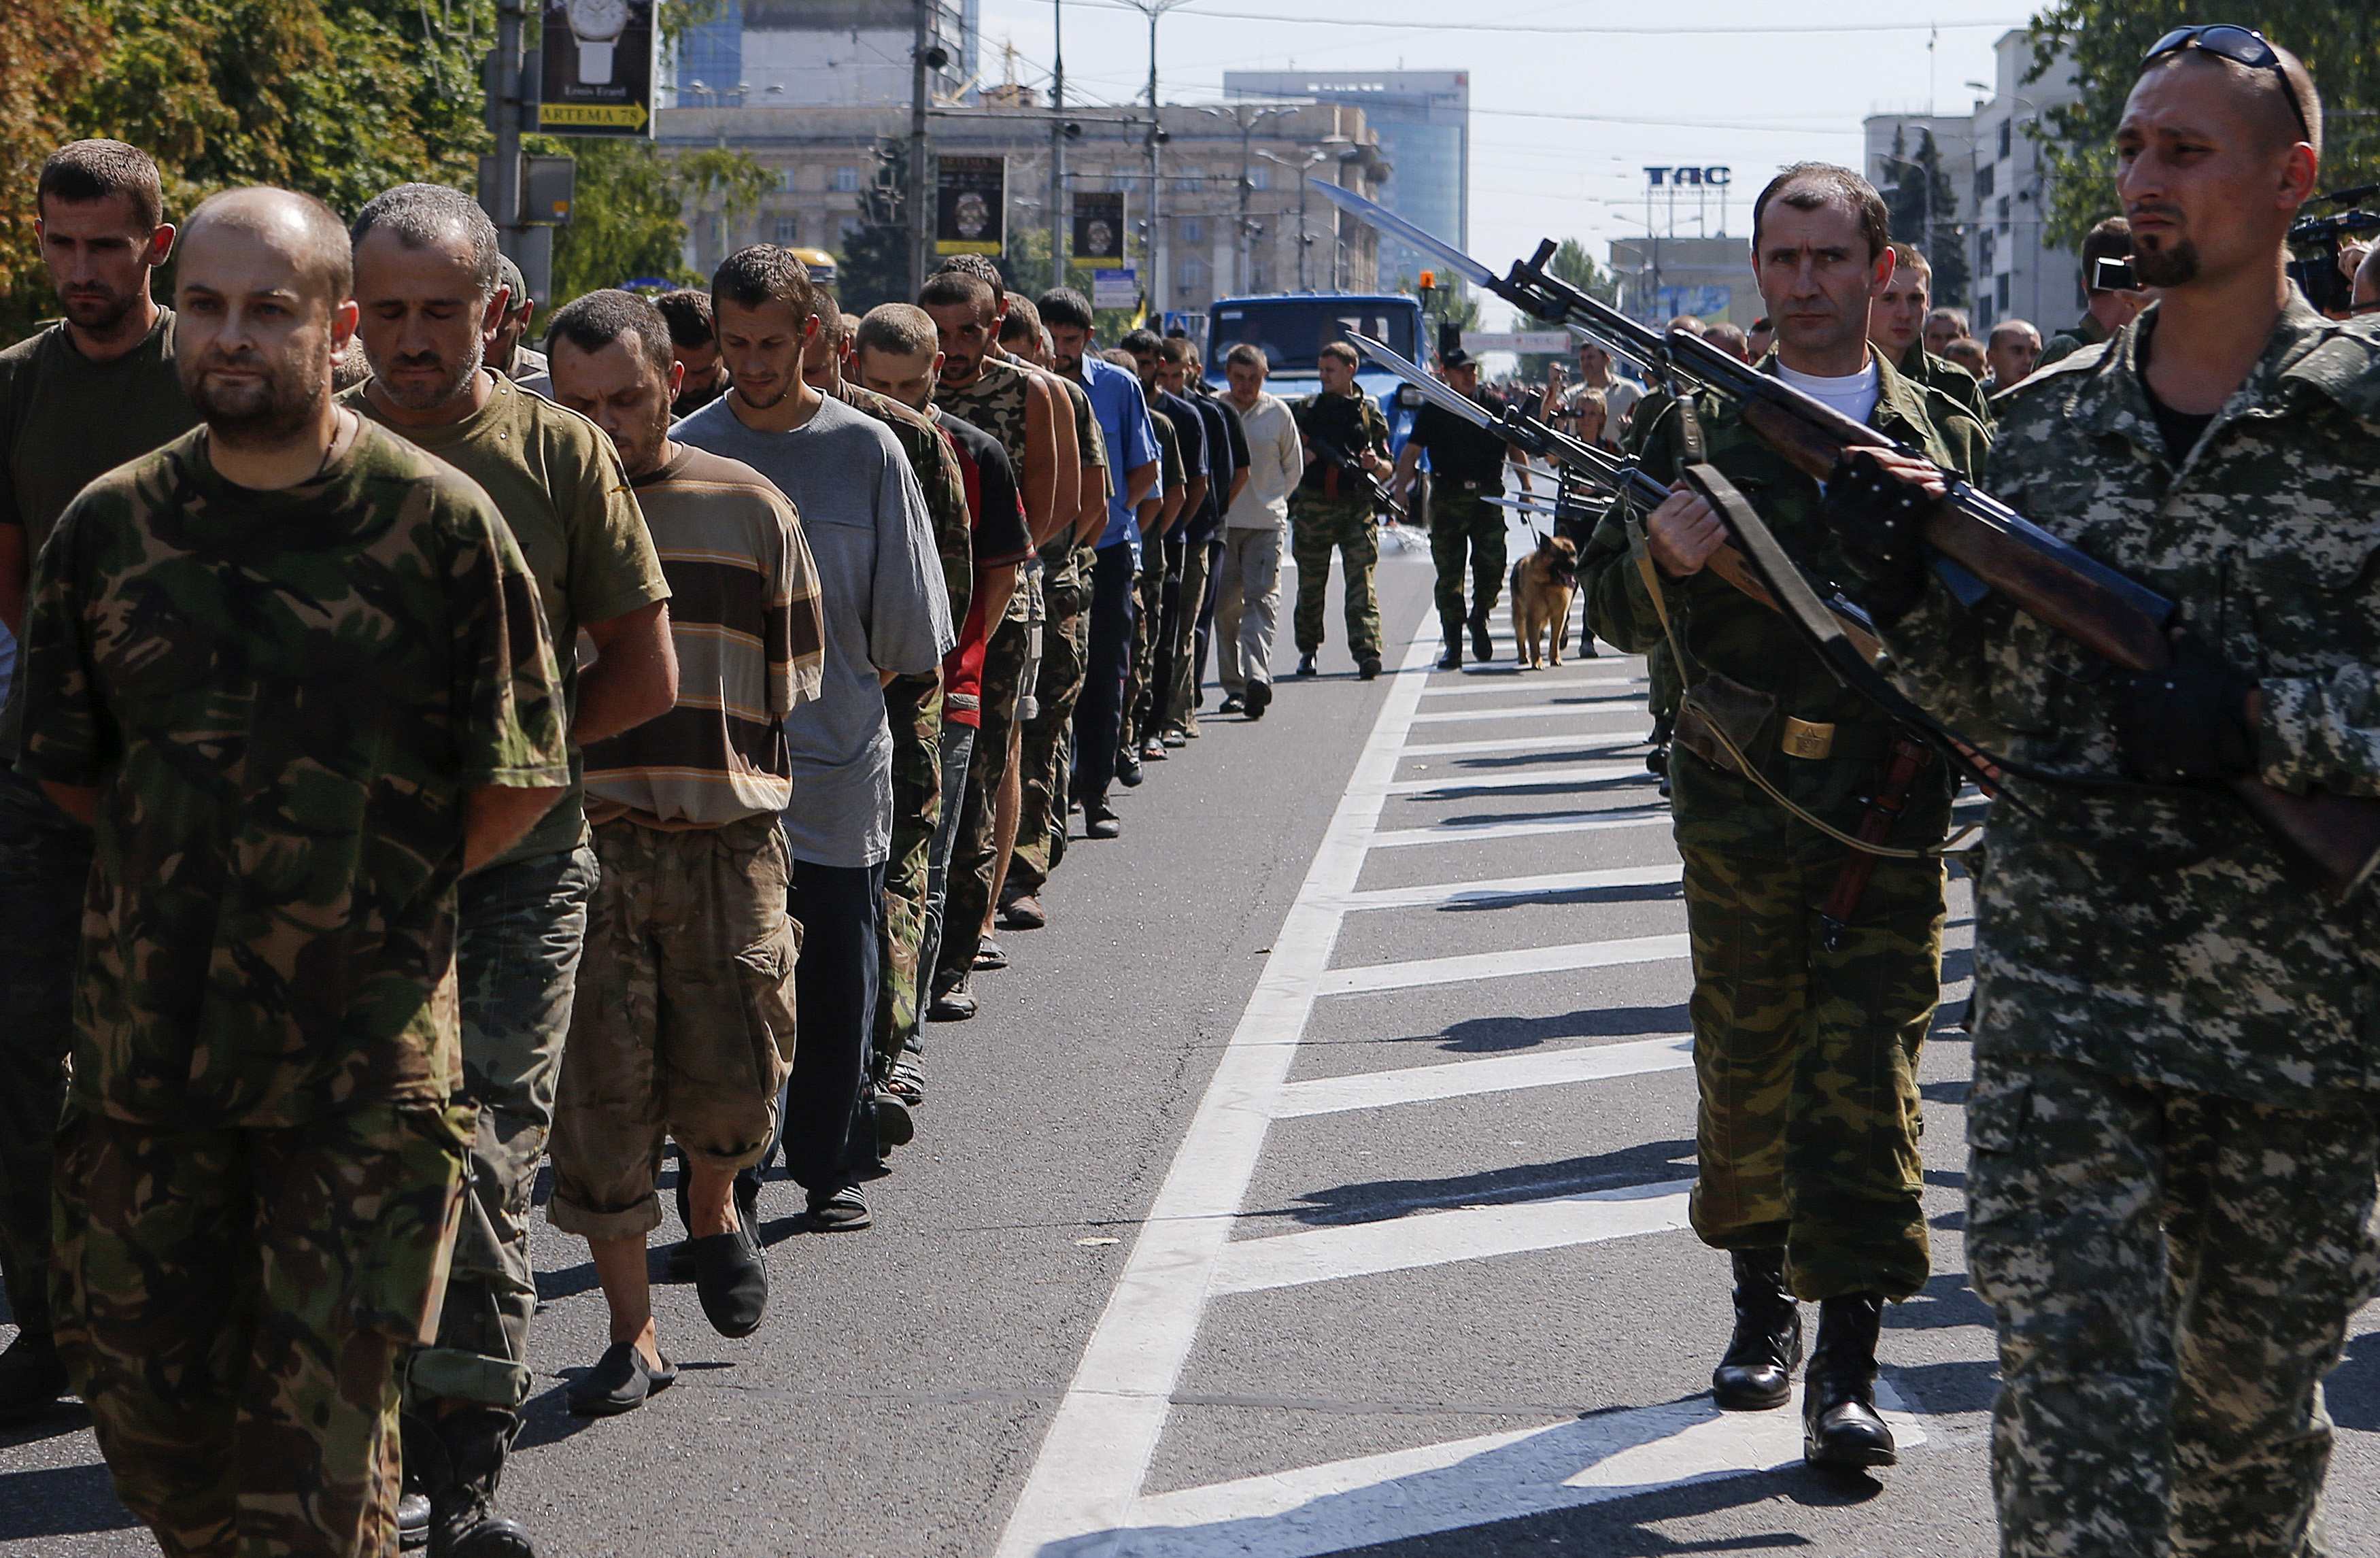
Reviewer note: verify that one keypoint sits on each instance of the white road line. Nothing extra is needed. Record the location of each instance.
(1495, 1074)
(1434, 1238)
(1545, 741)
(1375, 1500)
(1367, 978)
(1098, 1449)
(1585, 773)
(1511, 888)
(1480, 687)
(1615, 703)
(1479, 832)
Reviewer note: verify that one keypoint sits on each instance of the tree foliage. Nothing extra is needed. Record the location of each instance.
(1573, 265)
(629, 217)
(2340, 41)
(1924, 209)
(48, 50)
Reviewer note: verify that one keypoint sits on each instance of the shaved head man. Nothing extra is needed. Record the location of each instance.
(354, 704)
(2013, 350)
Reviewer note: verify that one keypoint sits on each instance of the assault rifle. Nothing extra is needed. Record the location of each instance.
(1605, 472)
(1992, 547)
(1351, 469)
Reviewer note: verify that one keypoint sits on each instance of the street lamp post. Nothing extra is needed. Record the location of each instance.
(1247, 120)
(1302, 167)
(1153, 10)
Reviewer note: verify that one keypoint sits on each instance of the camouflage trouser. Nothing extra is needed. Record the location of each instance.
(1461, 526)
(521, 928)
(44, 859)
(1140, 678)
(2173, 1274)
(688, 1028)
(1806, 1060)
(1181, 693)
(1315, 529)
(232, 1306)
(975, 852)
(914, 705)
(1065, 659)
(1666, 689)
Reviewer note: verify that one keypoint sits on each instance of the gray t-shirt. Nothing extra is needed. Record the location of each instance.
(886, 606)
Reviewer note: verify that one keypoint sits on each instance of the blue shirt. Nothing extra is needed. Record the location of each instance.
(1122, 411)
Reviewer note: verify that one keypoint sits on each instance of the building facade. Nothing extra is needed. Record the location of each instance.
(1234, 213)
(1423, 119)
(1661, 277)
(1997, 170)
(817, 54)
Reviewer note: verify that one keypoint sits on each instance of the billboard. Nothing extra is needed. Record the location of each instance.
(597, 68)
(1099, 229)
(970, 204)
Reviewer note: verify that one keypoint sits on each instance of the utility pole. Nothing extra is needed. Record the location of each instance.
(921, 190)
(1154, 252)
(1058, 145)
(502, 80)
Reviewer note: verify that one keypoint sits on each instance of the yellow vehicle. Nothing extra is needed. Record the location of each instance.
(821, 262)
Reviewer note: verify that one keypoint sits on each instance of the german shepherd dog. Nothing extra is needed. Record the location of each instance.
(1542, 585)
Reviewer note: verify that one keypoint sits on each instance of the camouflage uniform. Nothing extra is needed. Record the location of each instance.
(2173, 1126)
(1320, 520)
(1940, 374)
(258, 1168)
(2084, 332)
(914, 707)
(1065, 660)
(1464, 523)
(1806, 1058)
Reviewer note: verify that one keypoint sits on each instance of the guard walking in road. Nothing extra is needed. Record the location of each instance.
(1345, 441)
(2174, 1129)
(1466, 468)
(1807, 1019)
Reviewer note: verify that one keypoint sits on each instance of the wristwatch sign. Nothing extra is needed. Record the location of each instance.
(598, 67)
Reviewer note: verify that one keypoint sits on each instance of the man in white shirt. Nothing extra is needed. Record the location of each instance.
(1247, 577)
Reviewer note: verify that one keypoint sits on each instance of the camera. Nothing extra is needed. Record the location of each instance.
(2113, 276)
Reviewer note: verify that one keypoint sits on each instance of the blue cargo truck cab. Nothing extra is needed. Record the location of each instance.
(1293, 328)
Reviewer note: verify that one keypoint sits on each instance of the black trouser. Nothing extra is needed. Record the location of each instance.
(44, 861)
(1206, 608)
(1154, 712)
(828, 1123)
(1098, 718)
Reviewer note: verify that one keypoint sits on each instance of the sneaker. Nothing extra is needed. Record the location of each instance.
(1304, 664)
(1233, 703)
(954, 1004)
(621, 1380)
(1368, 668)
(895, 1126)
(840, 1211)
(1100, 823)
(1259, 699)
(1023, 912)
(1128, 772)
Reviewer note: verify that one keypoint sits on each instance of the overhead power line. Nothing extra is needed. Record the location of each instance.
(1581, 30)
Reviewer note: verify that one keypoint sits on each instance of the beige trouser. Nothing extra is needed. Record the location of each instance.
(1247, 602)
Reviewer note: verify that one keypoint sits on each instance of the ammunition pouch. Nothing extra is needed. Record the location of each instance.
(1738, 712)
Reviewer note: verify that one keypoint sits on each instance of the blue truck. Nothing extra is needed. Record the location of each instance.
(1293, 327)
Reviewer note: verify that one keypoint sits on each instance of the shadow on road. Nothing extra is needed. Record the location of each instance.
(1487, 1036)
(1378, 1199)
(59, 1500)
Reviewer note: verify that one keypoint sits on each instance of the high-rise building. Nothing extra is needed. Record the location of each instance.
(1423, 119)
(817, 54)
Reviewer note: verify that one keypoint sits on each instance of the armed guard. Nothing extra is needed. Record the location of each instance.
(2174, 1123)
(1817, 969)
(1466, 469)
(1346, 448)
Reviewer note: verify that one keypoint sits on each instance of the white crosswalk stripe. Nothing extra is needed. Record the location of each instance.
(1085, 1492)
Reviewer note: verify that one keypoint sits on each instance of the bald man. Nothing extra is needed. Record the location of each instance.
(2173, 1122)
(352, 702)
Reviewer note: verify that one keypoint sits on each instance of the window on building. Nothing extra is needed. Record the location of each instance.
(1259, 178)
(2000, 290)
(1191, 275)
(1987, 179)
(786, 231)
(2004, 211)
(2005, 136)
(784, 181)
(847, 181)
(1193, 230)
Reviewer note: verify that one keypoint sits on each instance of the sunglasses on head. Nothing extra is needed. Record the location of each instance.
(2241, 45)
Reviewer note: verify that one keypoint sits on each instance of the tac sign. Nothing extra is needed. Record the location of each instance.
(1690, 177)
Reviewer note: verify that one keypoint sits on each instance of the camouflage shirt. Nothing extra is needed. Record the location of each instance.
(2084, 332)
(1962, 388)
(936, 466)
(282, 699)
(1728, 636)
(2162, 934)
(1349, 425)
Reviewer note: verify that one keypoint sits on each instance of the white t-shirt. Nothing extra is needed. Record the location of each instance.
(1854, 397)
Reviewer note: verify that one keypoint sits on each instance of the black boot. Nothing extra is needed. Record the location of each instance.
(1756, 1372)
(1839, 1426)
(1483, 646)
(460, 1459)
(1451, 629)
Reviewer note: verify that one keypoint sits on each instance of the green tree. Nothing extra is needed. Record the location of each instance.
(2340, 41)
(1573, 265)
(629, 219)
(1924, 209)
(48, 49)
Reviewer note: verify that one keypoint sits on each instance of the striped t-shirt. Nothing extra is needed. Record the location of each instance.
(751, 643)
